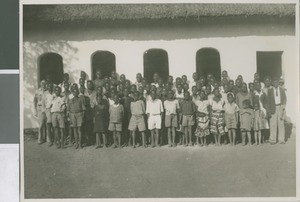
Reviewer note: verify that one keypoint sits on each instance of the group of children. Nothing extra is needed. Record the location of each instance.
(112, 111)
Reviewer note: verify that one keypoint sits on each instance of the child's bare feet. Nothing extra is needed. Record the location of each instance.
(174, 144)
(76, 146)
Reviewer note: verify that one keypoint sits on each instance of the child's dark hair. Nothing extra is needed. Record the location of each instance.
(247, 102)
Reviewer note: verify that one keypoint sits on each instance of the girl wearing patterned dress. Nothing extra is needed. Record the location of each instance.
(217, 116)
(202, 113)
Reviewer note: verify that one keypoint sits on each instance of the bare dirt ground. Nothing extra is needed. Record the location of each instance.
(226, 171)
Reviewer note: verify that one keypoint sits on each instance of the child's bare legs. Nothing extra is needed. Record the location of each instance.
(79, 137)
(233, 136)
(216, 139)
(143, 139)
(204, 140)
(249, 138)
(129, 138)
(230, 136)
(243, 138)
(75, 137)
(133, 138)
(173, 136)
(199, 140)
(62, 138)
(259, 137)
(152, 138)
(169, 137)
(219, 139)
(97, 140)
(185, 141)
(56, 134)
(104, 139)
(49, 134)
(190, 135)
(115, 139)
(156, 137)
(119, 138)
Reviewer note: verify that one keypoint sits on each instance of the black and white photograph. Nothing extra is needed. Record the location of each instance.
(159, 100)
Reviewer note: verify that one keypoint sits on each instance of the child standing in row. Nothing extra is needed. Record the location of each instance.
(259, 122)
(217, 117)
(202, 129)
(246, 119)
(188, 109)
(137, 107)
(171, 122)
(154, 110)
(231, 113)
(100, 113)
(116, 115)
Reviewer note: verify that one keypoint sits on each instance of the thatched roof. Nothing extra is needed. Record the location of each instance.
(96, 12)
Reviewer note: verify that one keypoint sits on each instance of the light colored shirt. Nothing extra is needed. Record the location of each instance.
(155, 84)
(116, 113)
(202, 106)
(171, 106)
(138, 84)
(137, 107)
(48, 99)
(217, 106)
(39, 99)
(277, 97)
(154, 107)
(58, 104)
(179, 95)
(231, 108)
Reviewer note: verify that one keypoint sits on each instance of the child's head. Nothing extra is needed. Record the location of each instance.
(170, 79)
(202, 95)
(202, 80)
(148, 87)
(99, 90)
(179, 88)
(139, 77)
(141, 89)
(195, 76)
(186, 95)
(99, 99)
(230, 97)
(136, 95)
(208, 89)
(240, 77)
(160, 82)
(257, 76)
(164, 91)
(115, 98)
(57, 90)
(144, 82)
(186, 87)
(267, 81)
(215, 84)
(251, 86)
(133, 88)
(178, 80)
(198, 85)
(281, 82)
(107, 85)
(98, 74)
(217, 92)
(121, 87)
(153, 94)
(43, 84)
(257, 86)
(244, 87)
(113, 74)
(126, 92)
(66, 77)
(153, 87)
(224, 74)
(66, 86)
(184, 78)
(81, 81)
(194, 90)
(122, 78)
(83, 75)
(90, 85)
(275, 82)
(75, 92)
(238, 82)
(127, 84)
(155, 77)
(246, 104)
(49, 86)
(170, 95)
(226, 88)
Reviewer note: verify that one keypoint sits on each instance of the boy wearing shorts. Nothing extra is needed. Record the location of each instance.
(171, 122)
(137, 118)
(76, 109)
(58, 119)
(116, 116)
(188, 110)
(154, 110)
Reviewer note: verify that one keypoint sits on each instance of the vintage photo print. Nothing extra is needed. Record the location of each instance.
(165, 101)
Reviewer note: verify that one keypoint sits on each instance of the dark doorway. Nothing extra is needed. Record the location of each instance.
(156, 60)
(105, 61)
(208, 62)
(269, 64)
(51, 65)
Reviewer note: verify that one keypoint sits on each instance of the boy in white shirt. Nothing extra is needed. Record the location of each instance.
(154, 110)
